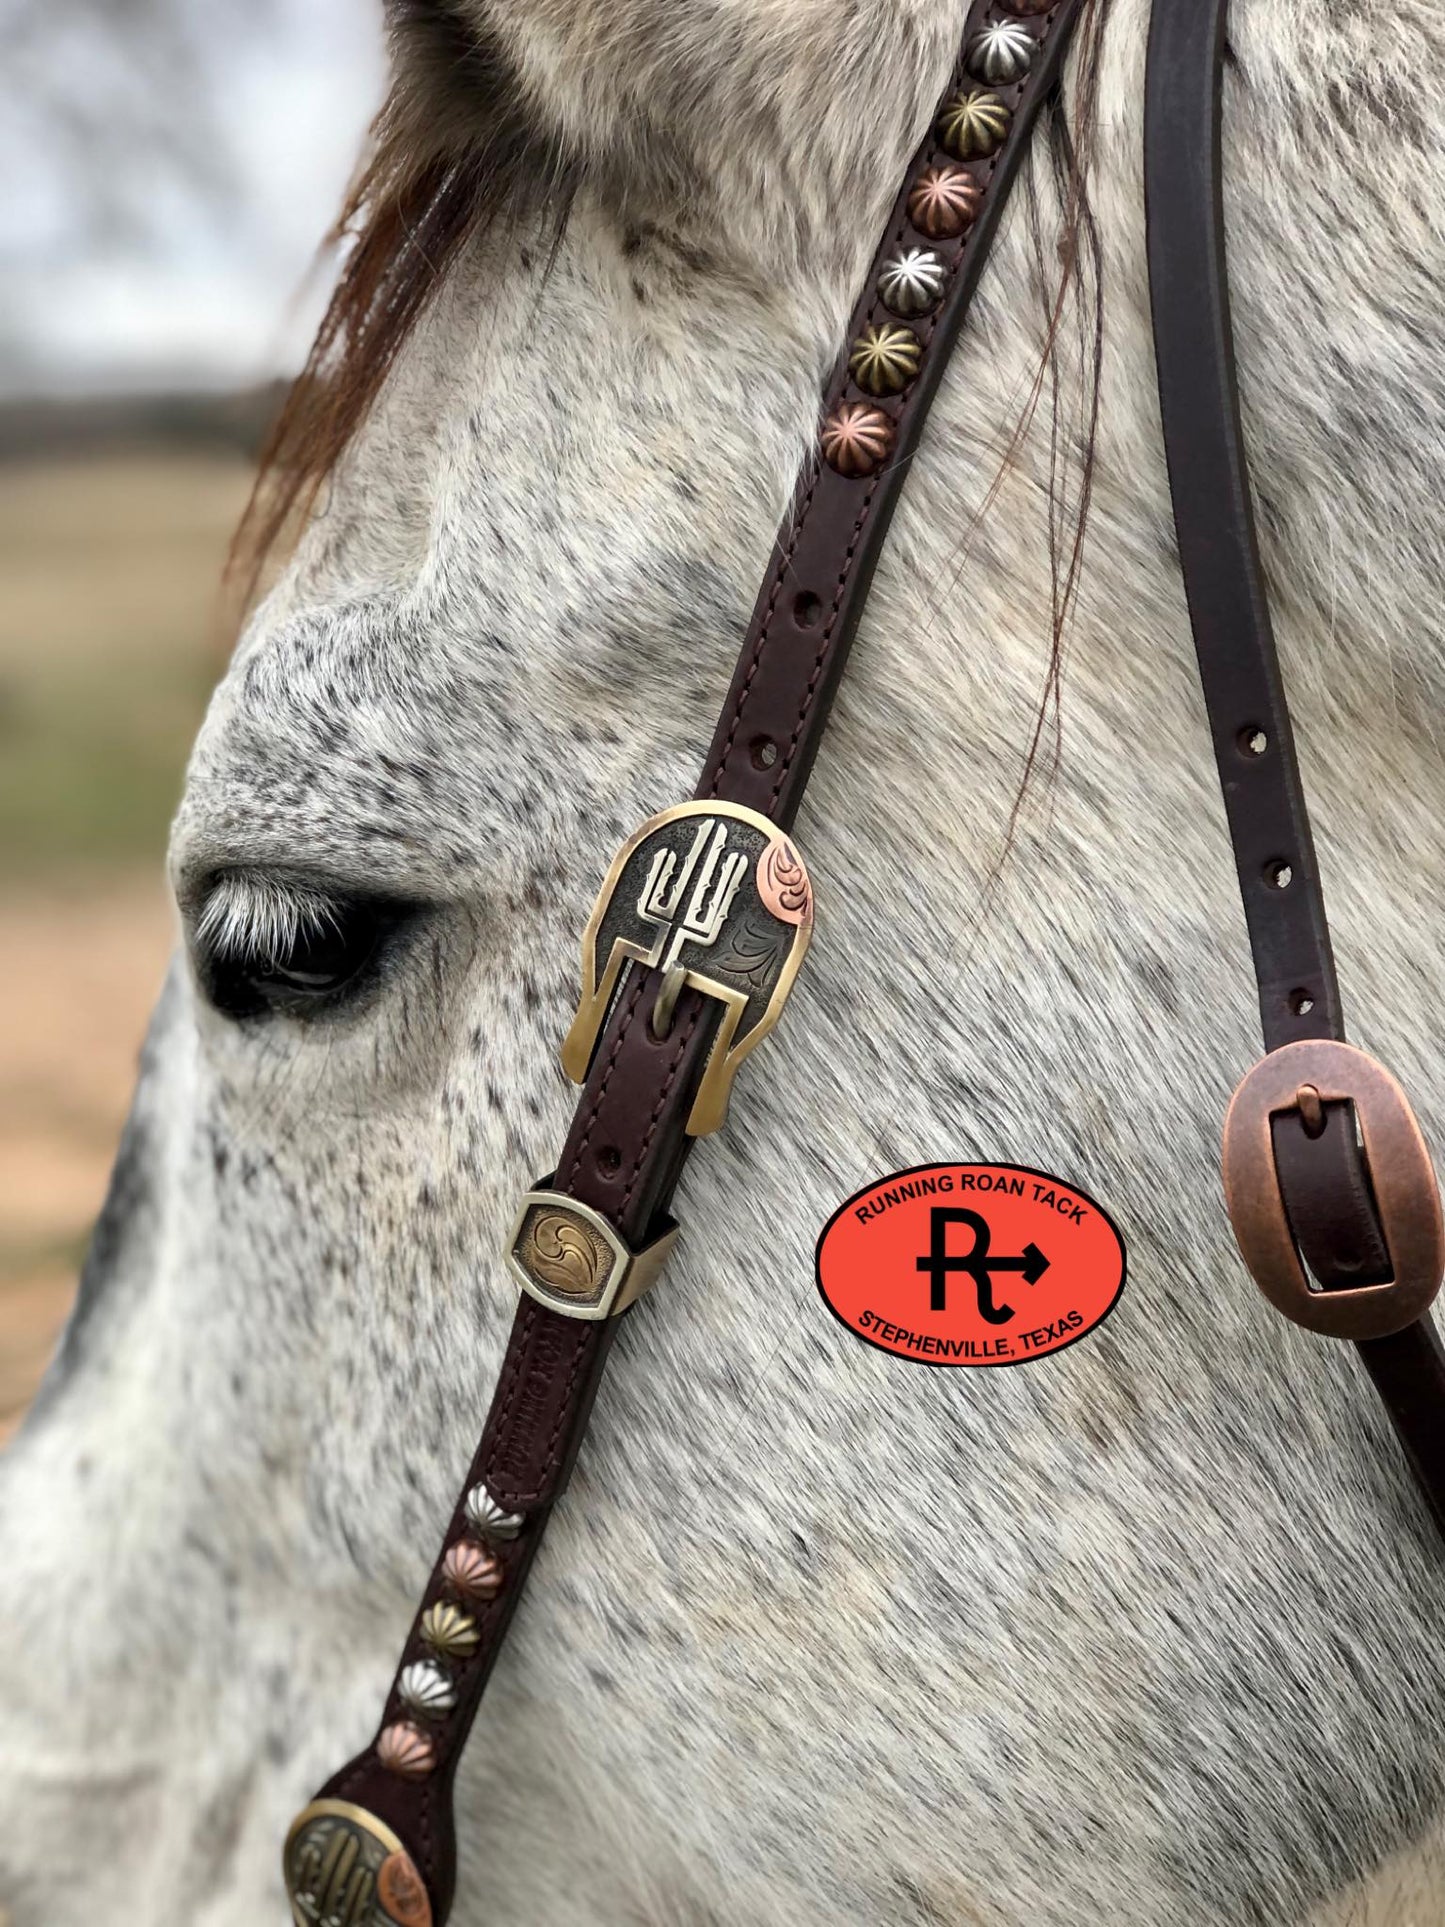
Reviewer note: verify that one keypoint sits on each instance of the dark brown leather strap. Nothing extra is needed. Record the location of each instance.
(806, 616)
(1408, 1370)
(1335, 1223)
(1214, 519)
(628, 1140)
(622, 1156)
(1321, 1170)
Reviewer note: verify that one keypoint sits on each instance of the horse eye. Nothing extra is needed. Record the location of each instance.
(320, 960)
(312, 961)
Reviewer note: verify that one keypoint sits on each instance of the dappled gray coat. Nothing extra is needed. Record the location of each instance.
(1148, 1633)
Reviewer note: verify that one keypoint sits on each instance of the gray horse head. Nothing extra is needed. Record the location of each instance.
(1148, 1632)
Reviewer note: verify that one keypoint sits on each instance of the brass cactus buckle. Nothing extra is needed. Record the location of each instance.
(1302, 1077)
(716, 897)
(570, 1259)
(343, 1864)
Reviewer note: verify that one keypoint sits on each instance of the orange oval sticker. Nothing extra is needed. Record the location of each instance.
(971, 1264)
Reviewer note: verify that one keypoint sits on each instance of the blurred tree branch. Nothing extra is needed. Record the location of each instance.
(113, 104)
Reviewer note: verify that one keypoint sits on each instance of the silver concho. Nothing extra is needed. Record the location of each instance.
(717, 898)
(426, 1690)
(1002, 53)
(489, 1520)
(345, 1868)
(912, 282)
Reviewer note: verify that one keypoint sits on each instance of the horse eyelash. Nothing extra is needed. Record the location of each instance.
(259, 919)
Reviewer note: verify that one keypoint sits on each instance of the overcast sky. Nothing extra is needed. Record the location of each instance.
(189, 273)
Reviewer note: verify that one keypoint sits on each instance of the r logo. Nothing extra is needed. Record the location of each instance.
(944, 1223)
(938, 1261)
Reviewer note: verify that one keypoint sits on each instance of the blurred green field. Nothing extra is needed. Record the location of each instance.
(109, 646)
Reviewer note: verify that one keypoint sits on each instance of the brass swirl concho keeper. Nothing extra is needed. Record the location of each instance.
(569, 1258)
(717, 898)
(345, 1868)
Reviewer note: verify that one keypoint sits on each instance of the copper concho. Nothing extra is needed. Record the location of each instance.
(1406, 1193)
(343, 1864)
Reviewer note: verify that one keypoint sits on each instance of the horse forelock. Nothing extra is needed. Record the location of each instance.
(453, 150)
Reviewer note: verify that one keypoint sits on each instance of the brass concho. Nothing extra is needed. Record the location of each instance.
(716, 897)
(569, 1258)
(345, 1868)
(567, 1254)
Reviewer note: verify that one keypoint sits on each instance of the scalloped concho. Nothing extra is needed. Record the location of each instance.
(716, 897)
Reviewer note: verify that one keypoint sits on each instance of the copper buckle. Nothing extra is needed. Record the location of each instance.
(1304, 1077)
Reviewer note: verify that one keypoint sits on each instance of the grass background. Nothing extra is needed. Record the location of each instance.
(109, 645)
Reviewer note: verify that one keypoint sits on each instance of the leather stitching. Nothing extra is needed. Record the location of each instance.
(601, 1091)
(784, 565)
(533, 1494)
(516, 1352)
(684, 1040)
(870, 314)
(493, 1617)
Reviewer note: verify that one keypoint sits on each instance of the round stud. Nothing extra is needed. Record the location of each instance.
(885, 359)
(425, 1690)
(912, 282)
(473, 1573)
(944, 202)
(489, 1520)
(1002, 53)
(974, 124)
(857, 439)
(449, 1631)
(405, 1750)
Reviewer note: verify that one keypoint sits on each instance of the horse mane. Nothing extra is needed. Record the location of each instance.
(450, 153)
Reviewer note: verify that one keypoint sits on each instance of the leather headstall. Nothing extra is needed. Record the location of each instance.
(1327, 1179)
(706, 914)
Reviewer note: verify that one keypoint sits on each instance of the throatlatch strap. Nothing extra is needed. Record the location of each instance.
(389, 1811)
(1324, 1186)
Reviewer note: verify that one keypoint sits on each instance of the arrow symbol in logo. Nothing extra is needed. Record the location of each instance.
(939, 1261)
